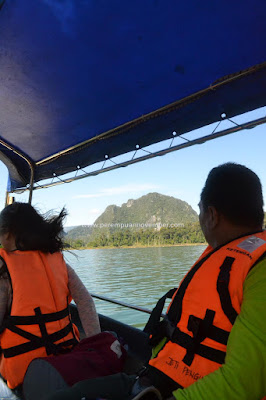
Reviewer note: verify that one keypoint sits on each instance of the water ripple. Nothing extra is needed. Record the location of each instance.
(135, 276)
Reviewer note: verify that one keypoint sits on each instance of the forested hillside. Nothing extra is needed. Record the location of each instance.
(151, 220)
(151, 209)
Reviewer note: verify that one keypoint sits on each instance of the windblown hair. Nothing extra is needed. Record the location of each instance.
(236, 192)
(31, 230)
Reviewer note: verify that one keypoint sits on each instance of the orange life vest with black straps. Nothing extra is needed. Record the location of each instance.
(203, 310)
(39, 322)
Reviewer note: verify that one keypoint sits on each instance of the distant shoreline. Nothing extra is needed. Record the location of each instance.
(136, 246)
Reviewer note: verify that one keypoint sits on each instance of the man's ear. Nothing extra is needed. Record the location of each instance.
(213, 217)
(8, 236)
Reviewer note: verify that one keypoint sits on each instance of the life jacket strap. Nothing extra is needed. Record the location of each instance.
(217, 334)
(187, 342)
(45, 340)
(36, 342)
(35, 319)
(156, 313)
(223, 289)
(193, 345)
(165, 328)
(200, 329)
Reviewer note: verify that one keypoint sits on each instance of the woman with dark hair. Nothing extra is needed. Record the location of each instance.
(36, 286)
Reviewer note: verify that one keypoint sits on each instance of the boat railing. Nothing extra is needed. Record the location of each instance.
(121, 303)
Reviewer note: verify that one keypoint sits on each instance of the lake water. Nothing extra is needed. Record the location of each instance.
(138, 276)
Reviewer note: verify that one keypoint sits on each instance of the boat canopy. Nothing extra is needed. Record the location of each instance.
(84, 81)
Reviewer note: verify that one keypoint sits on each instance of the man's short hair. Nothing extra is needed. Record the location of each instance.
(236, 192)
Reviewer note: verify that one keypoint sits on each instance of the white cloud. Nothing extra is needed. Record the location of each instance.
(113, 191)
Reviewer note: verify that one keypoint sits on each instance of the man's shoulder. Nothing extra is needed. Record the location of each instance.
(259, 269)
(255, 281)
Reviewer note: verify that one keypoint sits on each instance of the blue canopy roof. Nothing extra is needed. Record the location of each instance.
(91, 78)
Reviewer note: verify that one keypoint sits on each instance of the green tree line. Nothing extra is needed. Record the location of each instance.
(190, 233)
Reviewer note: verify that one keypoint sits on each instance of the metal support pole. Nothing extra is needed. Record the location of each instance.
(31, 183)
(30, 164)
(9, 199)
(7, 196)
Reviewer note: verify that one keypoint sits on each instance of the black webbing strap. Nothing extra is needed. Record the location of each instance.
(200, 332)
(193, 344)
(36, 342)
(45, 340)
(217, 334)
(155, 316)
(186, 341)
(49, 346)
(35, 319)
(223, 289)
(173, 334)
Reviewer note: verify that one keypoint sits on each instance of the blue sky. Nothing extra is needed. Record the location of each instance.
(180, 174)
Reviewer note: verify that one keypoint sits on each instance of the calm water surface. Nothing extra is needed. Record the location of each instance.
(136, 276)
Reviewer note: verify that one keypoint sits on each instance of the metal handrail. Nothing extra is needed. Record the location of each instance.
(121, 303)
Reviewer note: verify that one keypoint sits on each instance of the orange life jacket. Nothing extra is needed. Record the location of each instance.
(39, 322)
(203, 310)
